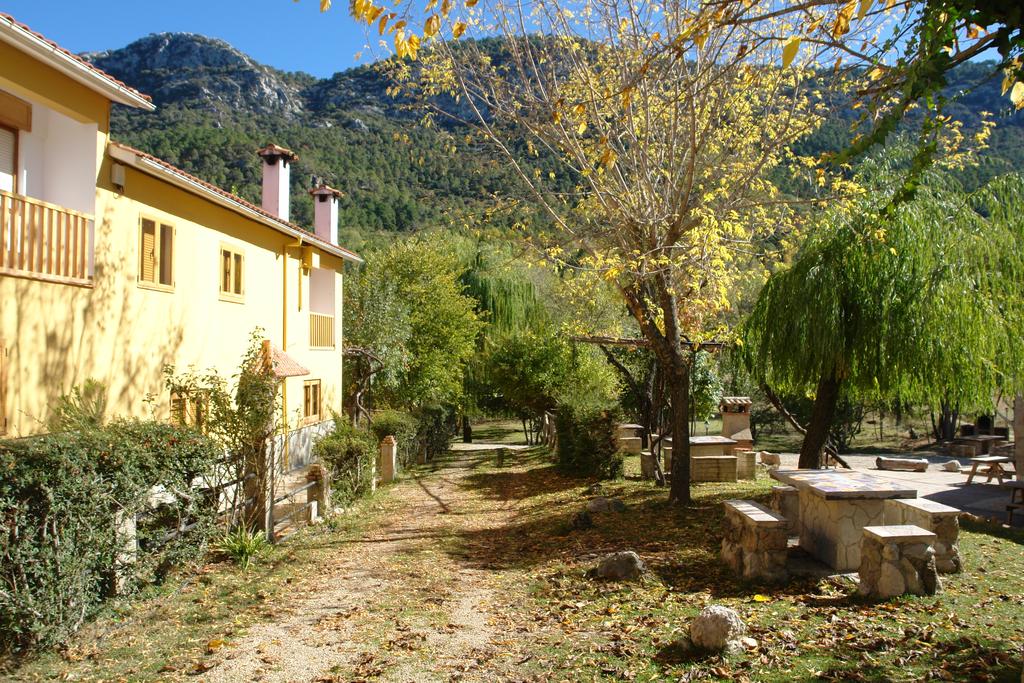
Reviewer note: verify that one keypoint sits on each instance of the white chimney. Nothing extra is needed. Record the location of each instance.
(325, 212)
(276, 173)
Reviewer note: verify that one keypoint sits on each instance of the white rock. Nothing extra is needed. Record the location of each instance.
(951, 466)
(716, 628)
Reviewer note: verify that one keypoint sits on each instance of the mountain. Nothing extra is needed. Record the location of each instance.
(216, 106)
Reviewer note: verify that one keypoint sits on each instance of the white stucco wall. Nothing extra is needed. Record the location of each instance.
(57, 160)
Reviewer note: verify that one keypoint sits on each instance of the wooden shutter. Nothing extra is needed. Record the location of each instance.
(166, 255)
(147, 250)
(8, 159)
(225, 276)
(238, 283)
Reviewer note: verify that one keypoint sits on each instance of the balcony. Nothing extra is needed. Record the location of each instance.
(321, 331)
(44, 241)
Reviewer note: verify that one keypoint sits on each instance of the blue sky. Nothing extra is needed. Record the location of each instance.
(293, 36)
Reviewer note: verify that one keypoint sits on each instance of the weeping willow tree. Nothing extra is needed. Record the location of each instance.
(917, 302)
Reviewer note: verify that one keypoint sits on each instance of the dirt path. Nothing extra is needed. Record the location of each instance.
(406, 602)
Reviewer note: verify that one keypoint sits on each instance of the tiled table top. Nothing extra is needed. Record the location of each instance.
(836, 485)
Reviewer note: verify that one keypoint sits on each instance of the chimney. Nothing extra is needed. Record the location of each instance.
(325, 212)
(276, 161)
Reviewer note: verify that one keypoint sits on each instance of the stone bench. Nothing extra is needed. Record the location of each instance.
(895, 560)
(746, 464)
(631, 444)
(712, 468)
(942, 520)
(786, 502)
(754, 546)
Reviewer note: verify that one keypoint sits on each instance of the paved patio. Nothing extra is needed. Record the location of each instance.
(949, 488)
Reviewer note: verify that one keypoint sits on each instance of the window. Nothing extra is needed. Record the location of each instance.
(311, 409)
(8, 159)
(156, 250)
(188, 410)
(232, 273)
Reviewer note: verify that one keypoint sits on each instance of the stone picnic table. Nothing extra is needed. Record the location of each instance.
(834, 509)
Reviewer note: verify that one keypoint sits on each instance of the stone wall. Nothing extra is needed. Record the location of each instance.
(831, 529)
(746, 464)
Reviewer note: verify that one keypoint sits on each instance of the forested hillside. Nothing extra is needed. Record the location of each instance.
(216, 106)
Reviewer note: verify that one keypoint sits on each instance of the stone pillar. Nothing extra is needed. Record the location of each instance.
(647, 462)
(388, 464)
(124, 528)
(897, 559)
(320, 494)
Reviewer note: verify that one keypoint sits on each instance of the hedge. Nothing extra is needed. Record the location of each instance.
(59, 496)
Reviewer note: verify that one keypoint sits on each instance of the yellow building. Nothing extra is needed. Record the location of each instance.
(114, 264)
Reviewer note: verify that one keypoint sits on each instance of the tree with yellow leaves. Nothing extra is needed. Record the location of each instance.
(660, 184)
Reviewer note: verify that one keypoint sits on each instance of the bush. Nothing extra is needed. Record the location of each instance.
(59, 496)
(351, 455)
(400, 425)
(435, 427)
(587, 443)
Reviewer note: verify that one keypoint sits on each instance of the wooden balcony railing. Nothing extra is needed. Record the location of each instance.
(321, 331)
(44, 241)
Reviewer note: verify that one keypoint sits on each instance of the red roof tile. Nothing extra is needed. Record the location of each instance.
(312, 237)
(99, 72)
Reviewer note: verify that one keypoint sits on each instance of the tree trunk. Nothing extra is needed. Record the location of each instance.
(821, 419)
(467, 430)
(678, 386)
(949, 416)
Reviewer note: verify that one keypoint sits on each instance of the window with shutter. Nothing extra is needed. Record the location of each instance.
(156, 253)
(232, 273)
(8, 159)
(312, 408)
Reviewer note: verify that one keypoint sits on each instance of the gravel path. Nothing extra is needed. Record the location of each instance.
(394, 605)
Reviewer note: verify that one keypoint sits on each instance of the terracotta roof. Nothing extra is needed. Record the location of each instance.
(284, 365)
(736, 401)
(7, 21)
(283, 225)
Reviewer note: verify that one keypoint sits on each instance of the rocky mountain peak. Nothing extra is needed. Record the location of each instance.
(200, 72)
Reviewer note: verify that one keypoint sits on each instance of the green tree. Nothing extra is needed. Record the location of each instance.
(408, 306)
(922, 304)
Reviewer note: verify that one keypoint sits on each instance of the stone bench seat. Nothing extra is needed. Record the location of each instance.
(755, 541)
(942, 520)
(898, 559)
(786, 502)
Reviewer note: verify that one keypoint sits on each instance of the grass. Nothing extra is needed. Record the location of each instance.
(550, 621)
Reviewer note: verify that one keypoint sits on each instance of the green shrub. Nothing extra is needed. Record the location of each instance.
(351, 455)
(243, 544)
(587, 444)
(400, 425)
(435, 426)
(59, 496)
